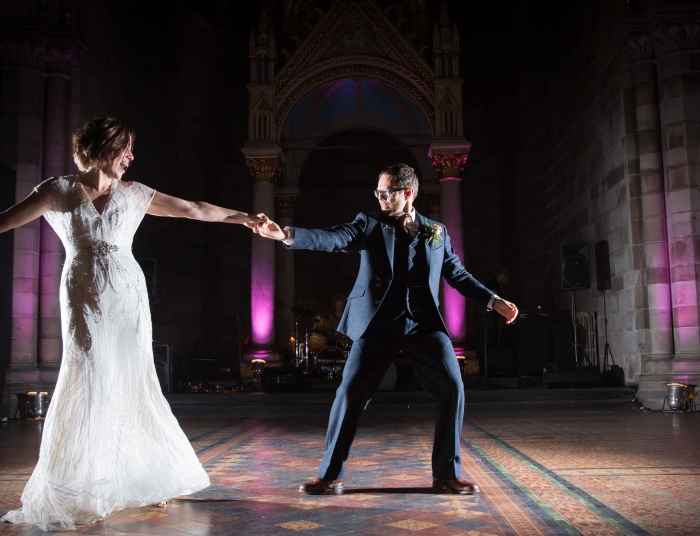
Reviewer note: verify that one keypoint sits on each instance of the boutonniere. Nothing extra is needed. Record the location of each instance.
(433, 233)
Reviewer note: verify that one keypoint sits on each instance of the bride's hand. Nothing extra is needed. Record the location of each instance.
(254, 221)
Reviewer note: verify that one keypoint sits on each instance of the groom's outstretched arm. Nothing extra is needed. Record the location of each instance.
(337, 238)
(457, 277)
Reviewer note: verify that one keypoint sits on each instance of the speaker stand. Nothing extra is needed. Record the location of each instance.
(574, 322)
(612, 374)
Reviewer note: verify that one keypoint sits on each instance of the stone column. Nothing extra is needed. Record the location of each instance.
(660, 344)
(265, 169)
(431, 199)
(21, 138)
(448, 162)
(678, 75)
(56, 134)
(285, 300)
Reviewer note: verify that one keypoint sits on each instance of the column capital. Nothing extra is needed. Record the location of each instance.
(53, 52)
(285, 203)
(449, 159)
(264, 162)
(264, 169)
(667, 37)
(664, 37)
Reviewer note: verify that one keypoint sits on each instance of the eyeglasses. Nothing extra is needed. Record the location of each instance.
(384, 194)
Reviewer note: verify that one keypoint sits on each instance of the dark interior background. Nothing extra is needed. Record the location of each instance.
(541, 97)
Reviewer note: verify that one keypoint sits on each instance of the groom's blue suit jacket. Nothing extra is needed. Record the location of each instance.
(373, 237)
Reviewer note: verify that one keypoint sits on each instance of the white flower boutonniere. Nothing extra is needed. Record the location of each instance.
(433, 233)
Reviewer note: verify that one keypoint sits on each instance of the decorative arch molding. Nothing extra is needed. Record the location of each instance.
(296, 156)
(384, 53)
(378, 19)
(337, 70)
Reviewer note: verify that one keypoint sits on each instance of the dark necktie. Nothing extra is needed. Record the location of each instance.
(403, 228)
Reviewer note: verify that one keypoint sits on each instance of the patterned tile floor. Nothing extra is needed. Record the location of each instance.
(597, 473)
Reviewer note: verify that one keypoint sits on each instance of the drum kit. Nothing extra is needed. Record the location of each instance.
(319, 350)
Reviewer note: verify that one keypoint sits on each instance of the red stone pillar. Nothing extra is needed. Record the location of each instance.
(285, 284)
(265, 167)
(56, 145)
(21, 139)
(448, 161)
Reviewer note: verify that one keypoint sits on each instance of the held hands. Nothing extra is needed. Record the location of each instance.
(505, 309)
(253, 221)
(269, 229)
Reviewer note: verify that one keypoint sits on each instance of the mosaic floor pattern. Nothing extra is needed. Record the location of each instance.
(597, 473)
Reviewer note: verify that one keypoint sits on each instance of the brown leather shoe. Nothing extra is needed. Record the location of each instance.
(318, 486)
(459, 486)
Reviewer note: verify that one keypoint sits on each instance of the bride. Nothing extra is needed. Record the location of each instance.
(110, 440)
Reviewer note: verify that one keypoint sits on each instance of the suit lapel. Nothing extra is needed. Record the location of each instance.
(420, 220)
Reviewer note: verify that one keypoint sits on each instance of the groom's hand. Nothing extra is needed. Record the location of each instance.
(269, 229)
(505, 309)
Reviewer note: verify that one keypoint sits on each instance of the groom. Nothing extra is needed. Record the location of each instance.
(394, 306)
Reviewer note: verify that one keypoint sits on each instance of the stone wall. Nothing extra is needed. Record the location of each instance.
(571, 166)
(175, 79)
(544, 112)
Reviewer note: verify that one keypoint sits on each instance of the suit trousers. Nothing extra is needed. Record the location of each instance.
(430, 350)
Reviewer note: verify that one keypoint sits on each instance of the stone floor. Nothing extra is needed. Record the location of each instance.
(541, 473)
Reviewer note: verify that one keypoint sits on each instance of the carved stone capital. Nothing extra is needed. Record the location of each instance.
(264, 168)
(61, 59)
(638, 47)
(284, 205)
(669, 37)
(664, 38)
(23, 52)
(432, 201)
(448, 163)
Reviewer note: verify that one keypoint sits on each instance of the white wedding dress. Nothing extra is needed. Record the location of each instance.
(110, 440)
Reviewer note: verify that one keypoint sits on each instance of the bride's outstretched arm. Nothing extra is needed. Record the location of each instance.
(167, 205)
(30, 208)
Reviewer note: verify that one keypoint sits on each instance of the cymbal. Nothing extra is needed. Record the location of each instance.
(319, 322)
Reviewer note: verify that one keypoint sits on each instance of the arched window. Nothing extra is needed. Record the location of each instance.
(262, 125)
(262, 117)
(449, 120)
(262, 69)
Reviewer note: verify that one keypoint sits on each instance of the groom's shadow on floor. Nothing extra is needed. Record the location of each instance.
(392, 491)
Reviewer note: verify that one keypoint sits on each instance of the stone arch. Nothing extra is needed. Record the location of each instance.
(355, 104)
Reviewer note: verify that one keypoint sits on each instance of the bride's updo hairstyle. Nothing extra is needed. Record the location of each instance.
(99, 142)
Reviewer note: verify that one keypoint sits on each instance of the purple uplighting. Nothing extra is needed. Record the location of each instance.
(455, 306)
(262, 295)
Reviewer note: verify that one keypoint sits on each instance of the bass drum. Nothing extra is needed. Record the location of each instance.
(330, 362)
(317, 341)
(343, 341)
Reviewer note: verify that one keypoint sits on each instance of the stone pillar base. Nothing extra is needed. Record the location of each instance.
(660, 372)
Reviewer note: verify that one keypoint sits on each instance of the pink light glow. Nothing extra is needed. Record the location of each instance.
(262, 292)
(455, 307)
